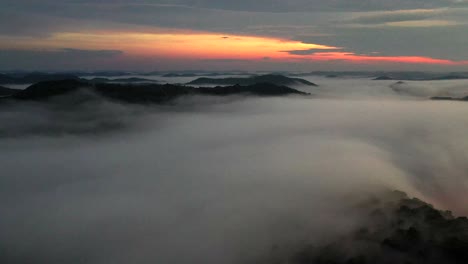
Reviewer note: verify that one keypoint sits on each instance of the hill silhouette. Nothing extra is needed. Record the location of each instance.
(383, 78)
(269, 78)
(122, 80)
(448, 98)
(146, 93)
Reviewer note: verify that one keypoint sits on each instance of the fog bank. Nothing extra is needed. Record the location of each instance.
(215, 180)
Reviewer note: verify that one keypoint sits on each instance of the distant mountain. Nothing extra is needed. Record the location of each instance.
(383, 78)
(6, 79)
(332, 76)
(180, 75)
(389, 75)
(448, 98)
(449, 77)
(444, 98)
(123, 80)
(101, 73)
(269, 78)
(146, 93)
(200, 73)
(36, 77)
(422, 78)
(33, 78)
(7, 91)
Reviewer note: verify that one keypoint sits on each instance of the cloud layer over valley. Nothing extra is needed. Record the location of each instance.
(218, 180)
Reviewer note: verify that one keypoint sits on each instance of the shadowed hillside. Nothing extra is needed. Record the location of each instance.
(397, 230)
(7, 91)
(146, 93)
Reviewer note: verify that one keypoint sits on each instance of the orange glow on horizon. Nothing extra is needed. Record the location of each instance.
(355, 58)
(180, 45)
(177, 46)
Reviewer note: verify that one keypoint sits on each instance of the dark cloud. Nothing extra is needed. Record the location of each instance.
(399, 16)
(68, 53)
(438, 42)
(314, 5)
(91, 53)
(307, 52)
(65, 58)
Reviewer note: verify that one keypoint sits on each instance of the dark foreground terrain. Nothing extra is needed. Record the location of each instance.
(7, 91)
(397, 230)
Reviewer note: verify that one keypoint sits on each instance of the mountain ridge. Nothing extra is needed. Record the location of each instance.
(146, 93)
(268, 78)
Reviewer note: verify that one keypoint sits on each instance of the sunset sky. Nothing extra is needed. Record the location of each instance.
(299, 35)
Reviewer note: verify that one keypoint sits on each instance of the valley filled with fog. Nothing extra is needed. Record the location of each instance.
(206, 179)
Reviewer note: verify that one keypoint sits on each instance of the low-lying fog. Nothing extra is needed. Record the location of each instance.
(220, 180)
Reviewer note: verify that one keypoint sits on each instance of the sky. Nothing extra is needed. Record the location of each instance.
(275, 35)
